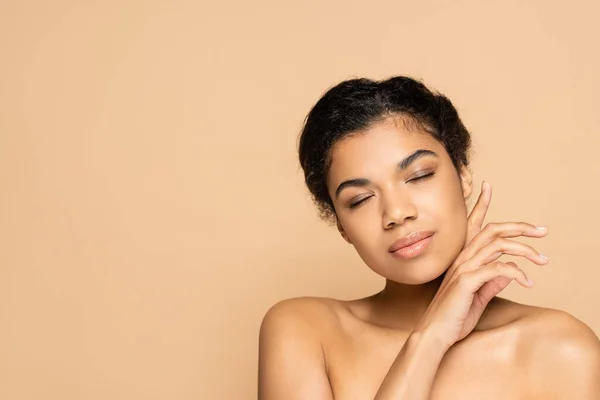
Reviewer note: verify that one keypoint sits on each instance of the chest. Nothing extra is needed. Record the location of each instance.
(479, 367)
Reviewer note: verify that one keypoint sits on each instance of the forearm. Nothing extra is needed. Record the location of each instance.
(412, 374)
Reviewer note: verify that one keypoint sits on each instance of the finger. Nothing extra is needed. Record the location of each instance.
(492, 288)
(501, 246)
(474, 280)
(477, 215)
(501, 230)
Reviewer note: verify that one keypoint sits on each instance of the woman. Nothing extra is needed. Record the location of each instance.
(387, 162)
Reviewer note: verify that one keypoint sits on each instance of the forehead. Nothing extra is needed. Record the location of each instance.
(378, 148)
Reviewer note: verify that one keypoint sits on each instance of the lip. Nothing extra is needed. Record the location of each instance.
(409, 240)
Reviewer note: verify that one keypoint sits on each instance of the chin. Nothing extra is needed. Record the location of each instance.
(410, 274)
(420, 278)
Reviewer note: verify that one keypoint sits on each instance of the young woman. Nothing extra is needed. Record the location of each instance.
(387, 162)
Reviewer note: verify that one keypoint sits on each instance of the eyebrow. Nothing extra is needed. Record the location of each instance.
(402, 165)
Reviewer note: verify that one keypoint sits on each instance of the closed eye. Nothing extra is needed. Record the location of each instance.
(352, 205)
(418, 178)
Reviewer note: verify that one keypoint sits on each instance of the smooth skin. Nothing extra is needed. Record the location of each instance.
(426, 335)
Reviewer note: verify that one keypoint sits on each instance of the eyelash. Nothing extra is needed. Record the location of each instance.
(418, 178)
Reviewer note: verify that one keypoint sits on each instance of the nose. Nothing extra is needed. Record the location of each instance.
(398, 207)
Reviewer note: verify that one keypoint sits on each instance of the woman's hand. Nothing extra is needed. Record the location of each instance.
(476, 276)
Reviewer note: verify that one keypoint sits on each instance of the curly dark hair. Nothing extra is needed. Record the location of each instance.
(357, 104)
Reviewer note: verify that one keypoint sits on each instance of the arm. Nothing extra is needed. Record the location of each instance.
(413, 372)
(292, 365)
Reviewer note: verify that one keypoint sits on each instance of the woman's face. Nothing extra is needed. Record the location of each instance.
(378, 201)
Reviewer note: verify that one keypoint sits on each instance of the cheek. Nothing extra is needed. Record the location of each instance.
(455, 221)
(444, 201)
(444, 206)
(363, 231)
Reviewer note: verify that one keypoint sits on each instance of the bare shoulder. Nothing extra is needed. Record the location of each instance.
(291, 361)
(555, 333)
(312, 313)
(300, 320)
(559, 354)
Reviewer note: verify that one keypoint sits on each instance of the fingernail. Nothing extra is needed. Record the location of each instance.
(529, 281)
(544, 257)
(542, 228)
(484, 185)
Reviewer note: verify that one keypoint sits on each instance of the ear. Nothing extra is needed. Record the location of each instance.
(466, 181)
(342, 231)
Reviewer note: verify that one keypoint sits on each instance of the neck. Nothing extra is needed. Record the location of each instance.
(401, 306)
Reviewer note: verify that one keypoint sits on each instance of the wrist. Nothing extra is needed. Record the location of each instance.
(430, 340)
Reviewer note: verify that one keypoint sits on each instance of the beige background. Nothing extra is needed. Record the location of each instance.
(152, 207)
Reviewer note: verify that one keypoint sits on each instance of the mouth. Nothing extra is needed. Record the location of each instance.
(411, 245)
